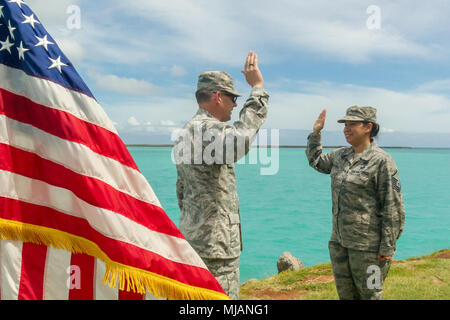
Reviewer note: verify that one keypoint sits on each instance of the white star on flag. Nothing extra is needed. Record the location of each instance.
(56, 63)
(18, 2)
(43, 42)
(22, 51)
(6, 45)
(11, 29)
(1, 11)
(30, 19)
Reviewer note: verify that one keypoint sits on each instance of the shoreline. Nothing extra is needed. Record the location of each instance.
(269, 146)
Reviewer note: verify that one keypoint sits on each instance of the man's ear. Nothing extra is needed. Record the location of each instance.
(218, 97)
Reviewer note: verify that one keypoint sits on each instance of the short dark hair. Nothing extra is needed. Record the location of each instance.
(203, 95)
(375, 129)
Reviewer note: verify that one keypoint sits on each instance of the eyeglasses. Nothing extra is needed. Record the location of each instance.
(232, 97)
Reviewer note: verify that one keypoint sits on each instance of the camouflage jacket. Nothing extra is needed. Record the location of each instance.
(206, 184)
(368, 210)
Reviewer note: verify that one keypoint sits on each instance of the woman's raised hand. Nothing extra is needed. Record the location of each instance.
(320, 122)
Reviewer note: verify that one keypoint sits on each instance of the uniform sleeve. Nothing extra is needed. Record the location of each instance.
(233, 141)
(319, 161)
(180, 189)
(392, 208)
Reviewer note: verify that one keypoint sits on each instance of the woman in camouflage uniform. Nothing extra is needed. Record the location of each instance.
(368, 211)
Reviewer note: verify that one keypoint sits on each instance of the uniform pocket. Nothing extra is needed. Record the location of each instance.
(360, 179)
(235, 234)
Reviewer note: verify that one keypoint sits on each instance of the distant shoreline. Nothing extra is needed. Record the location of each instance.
(279, 147)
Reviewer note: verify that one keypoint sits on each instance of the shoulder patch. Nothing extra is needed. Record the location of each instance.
(395, 182)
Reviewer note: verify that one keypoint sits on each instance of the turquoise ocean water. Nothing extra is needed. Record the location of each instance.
(291, 210)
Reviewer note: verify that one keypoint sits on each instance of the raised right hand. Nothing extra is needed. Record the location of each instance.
(251, 71)
(320, 122)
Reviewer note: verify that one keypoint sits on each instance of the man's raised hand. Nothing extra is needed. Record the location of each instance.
(251, 71)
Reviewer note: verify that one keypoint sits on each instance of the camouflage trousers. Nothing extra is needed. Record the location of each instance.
(226, 272)
(358, 274)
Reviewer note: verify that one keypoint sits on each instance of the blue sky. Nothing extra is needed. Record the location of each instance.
(141, 58)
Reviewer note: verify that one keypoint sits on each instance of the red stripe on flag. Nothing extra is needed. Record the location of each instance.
(68, 126)
(1, 263)
(124, 295)
(82, 277)
(91, 190)
(116, 250)
(32, 273)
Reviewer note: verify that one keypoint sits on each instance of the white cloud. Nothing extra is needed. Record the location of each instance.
(409, 111)
(167, 123)
(442, 85)
(72, 49)
(192, 30)
(290, 108)
(132, 121)
(175, 70)
(113, 83)
(165, 127)
(159, 115)
(387, 130)
(337, 30)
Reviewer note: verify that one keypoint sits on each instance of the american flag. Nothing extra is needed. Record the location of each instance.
(76, 213)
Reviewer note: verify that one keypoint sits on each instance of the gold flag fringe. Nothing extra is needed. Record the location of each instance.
(136, 280)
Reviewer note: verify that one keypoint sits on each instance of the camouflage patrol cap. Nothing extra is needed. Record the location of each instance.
(216, 80)
(357, 113)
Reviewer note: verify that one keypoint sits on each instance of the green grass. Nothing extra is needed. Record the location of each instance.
(424, 278)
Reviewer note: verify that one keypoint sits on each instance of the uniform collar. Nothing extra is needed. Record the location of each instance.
(365, 155)
(205, 113)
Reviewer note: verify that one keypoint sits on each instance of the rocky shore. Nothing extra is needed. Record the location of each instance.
(422, 278)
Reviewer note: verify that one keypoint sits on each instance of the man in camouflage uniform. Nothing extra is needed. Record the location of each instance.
(368, 211)
(205, 152)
